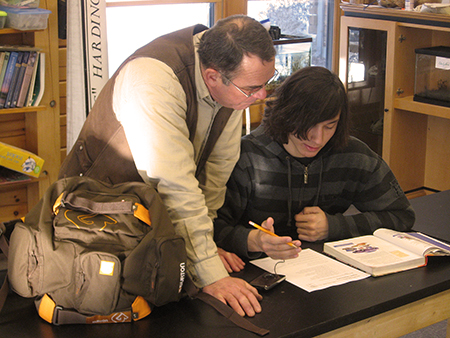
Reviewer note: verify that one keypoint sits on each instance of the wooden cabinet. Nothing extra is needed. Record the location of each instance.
(33, 128)
(415, 134)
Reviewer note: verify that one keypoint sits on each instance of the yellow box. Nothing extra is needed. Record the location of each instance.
(20, 160)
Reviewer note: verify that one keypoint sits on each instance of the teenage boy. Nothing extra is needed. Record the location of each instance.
(300, 171)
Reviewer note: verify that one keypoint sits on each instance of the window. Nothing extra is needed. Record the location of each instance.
(130, 27)
(133, 23)
(300, 17)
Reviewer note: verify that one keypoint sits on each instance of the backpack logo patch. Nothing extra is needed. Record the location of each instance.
(89, 221)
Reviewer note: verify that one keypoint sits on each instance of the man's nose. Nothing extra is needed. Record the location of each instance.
(261, 94)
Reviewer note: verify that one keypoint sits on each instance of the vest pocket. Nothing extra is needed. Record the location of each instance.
(97, 282)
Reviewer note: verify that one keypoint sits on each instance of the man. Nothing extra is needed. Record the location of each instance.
(152, 120)
(300, 171)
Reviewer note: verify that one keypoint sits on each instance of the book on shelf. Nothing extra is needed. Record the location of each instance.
(39, 83)
(8, 77)
(8, 176)
(14, 78)
(387, 251)
(26, 84)
(4, 65)
(2, 59)
(20, 77)
(17, 86)
(29, 97)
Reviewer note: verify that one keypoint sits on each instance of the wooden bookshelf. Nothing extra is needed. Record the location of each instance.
(35, 129)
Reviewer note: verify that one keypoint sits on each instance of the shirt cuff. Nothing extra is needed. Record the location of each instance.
(210, 270)
(335, 230)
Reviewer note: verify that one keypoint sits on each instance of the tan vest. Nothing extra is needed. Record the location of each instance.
(101, 150)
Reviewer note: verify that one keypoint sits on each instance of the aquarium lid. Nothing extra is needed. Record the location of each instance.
(437, 51)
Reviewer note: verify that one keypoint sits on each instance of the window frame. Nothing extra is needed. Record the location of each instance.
(222, 8)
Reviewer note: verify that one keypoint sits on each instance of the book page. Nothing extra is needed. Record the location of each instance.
(311, 270)
(373, 253)
(414, 242)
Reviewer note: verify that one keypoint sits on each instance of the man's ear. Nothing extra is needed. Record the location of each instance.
(212, 77)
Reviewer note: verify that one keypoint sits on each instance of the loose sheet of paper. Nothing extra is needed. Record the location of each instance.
(312, 271)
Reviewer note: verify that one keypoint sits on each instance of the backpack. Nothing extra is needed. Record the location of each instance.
(89, 252)
(98, 252)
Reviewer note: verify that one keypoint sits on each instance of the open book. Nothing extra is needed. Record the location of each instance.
(387, 251)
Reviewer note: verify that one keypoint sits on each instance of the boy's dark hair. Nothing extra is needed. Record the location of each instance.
(223, 46)
(309, 96)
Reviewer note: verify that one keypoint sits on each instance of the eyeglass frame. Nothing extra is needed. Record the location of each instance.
(274, 76)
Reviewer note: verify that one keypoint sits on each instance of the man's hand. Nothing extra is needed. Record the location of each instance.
(274, 247)
(312, 224)
(232, 262)
(240, 295)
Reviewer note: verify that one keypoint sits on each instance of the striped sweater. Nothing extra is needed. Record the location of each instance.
(268, 181)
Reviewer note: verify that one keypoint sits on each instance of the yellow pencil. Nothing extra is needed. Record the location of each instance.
(268, 232)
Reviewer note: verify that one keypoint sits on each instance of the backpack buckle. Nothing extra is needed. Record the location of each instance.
(56, 311)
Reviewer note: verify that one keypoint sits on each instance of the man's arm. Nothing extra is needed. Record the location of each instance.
(150, 104)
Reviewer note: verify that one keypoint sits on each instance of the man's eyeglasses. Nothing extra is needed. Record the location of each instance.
(254, 90)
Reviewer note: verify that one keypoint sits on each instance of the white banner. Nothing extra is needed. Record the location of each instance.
(87, 61)
(95, 48)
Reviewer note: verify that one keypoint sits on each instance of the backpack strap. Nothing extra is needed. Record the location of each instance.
(57, 315)
(79, 203)
(222, 308)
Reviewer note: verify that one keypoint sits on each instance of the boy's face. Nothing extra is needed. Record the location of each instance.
(318, 136)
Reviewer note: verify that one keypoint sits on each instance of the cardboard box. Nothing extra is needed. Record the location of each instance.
(20, 160)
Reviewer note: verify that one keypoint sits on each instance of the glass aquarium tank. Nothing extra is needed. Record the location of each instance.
(432, 77)
(293, 53)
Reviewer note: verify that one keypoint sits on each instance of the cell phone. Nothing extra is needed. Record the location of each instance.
(267, 280)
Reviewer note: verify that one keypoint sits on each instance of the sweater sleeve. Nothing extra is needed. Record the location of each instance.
(230, 232)
(380, 204)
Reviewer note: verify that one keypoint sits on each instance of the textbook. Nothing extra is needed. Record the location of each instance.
(387, 251)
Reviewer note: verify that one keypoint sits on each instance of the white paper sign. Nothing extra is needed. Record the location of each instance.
(442, 63)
